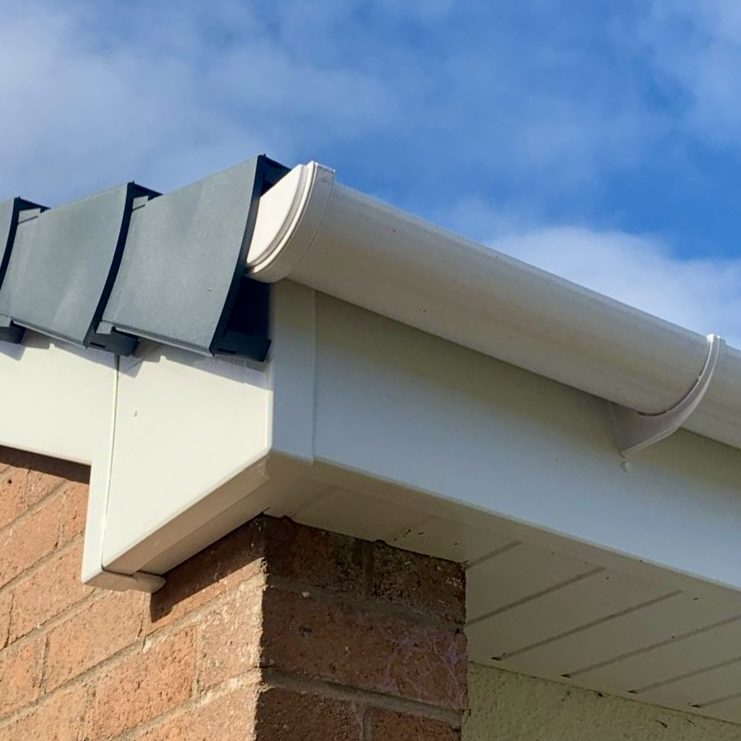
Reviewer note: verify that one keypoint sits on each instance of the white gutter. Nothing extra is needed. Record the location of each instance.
(329, 237)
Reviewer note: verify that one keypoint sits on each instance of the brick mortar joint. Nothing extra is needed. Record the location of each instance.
(365, 726)
(143, 642)
(198, 659)
(139, 641)
(74, 609)
(89, 676)
(42, 663)
(30, 709)
(45, 559)
(246, 681)
(368, 569)
(86, 677)
(365, 698)
(5, 640)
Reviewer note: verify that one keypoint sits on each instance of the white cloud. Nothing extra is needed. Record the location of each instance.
(96, 93)
(700, 294)
(162, 95)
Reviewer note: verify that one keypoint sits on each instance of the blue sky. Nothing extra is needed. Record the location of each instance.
(598, 139)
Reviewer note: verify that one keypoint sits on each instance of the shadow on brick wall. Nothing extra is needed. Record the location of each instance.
(44, 464)
(216, 569)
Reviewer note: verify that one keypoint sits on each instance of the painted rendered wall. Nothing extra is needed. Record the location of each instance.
(513, 707)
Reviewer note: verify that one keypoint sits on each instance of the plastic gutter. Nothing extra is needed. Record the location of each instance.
(317, 232)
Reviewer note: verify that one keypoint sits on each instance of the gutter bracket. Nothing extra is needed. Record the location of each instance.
(635, 431)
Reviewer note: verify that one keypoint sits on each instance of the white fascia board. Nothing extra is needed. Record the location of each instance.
(429, 417)
(47, 387)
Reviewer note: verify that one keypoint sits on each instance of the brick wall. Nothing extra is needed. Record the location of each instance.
(275, 632)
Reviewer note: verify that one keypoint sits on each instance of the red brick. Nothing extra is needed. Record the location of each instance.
(420, 584)
(99, 630)
(47, 592)
(230, 635)
(316, 558)
(20, 675)
(228, 716)
(284, 715)
(306, 636)
(335, 563)
(40, 485)
(61, 717)
(385, 725)
(144, 685)
(29, 540)
(74, 510)
(12, 490)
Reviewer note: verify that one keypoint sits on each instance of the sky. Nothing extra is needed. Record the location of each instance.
(599, 140)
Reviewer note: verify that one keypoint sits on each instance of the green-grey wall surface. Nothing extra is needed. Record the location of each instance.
(513, 707)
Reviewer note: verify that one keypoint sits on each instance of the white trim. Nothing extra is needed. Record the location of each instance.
(291, 370)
